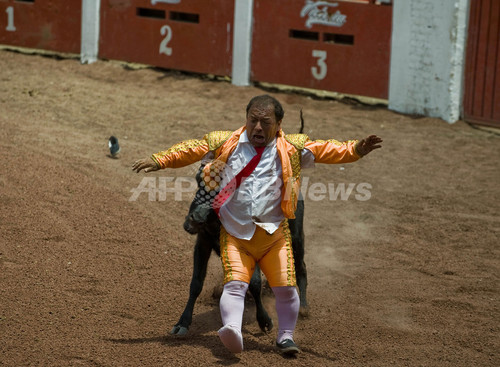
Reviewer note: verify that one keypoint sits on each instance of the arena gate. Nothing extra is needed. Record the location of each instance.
(53, 25)
(195, 35)
(335, 46)
(482, 81)
(339, 46)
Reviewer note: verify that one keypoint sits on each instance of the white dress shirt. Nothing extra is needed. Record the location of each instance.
(257, 201)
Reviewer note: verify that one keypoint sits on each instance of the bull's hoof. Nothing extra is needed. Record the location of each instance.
(267, 325)
(304, 312)
(179, 330)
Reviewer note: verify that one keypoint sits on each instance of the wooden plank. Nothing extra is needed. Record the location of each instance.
(481, 55)
(491, 22)
(495, 114)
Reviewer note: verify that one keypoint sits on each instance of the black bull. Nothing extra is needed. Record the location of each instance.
(203, 221)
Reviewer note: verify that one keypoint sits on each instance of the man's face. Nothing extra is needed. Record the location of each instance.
(261, 125)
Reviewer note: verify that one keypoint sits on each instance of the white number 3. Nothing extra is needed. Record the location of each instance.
(167, 32)
(319, 72)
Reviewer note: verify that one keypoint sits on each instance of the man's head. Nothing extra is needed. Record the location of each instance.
(264, 116)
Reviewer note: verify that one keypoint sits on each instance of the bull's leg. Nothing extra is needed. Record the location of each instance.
(202, 252)
(298, 245)
(301, 274)
(255, 287)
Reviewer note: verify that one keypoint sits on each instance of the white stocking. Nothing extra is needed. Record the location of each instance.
(287, 308)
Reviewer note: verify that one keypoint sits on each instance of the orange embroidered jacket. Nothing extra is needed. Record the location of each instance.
(289, 147)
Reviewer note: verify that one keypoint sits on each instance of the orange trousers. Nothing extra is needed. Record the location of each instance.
(273, 253)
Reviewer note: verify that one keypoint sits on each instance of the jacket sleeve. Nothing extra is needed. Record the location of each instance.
(333, 151)
(182, 154)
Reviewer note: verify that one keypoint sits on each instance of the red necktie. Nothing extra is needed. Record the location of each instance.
(231, 187)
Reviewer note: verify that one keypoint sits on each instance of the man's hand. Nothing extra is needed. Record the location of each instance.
(366, 145)
(146, 164)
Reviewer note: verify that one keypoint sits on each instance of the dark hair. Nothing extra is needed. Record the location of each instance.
(265, 100)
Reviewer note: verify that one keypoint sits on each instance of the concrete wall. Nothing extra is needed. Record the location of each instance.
(428, 57)
(242, 42)
(90, 31)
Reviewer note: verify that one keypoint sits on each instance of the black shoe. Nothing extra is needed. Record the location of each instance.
(287, 347)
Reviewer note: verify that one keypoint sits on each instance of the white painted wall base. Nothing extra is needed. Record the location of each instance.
(428, 57)
(242, 42)
(90, 31)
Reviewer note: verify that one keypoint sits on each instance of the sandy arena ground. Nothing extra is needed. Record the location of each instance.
(409, 277)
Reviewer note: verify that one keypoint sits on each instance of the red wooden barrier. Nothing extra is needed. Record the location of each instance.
(194, 35)
(482, 82)
(336, 46)
(53, 25)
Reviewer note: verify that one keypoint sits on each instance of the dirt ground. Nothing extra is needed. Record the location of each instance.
(404, 274)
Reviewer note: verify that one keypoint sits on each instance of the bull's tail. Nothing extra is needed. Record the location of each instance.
(301, 122)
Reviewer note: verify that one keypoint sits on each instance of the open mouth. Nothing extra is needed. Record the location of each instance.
(258, 139)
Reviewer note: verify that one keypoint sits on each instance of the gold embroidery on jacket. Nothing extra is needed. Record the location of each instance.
(336, 142)
(297, 140)
(182, 146)
(215, 139)
(290, 269)
(295, 162)
(226, 264)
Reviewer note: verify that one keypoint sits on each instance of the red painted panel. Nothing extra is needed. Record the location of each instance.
(481, 54)
(496, 91)
(491, 58)
(53, 25)
(194, 35)
(482, 71)
(349, 54)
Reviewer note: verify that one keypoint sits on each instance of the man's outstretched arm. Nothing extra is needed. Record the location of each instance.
(146, 164)
(366, 145)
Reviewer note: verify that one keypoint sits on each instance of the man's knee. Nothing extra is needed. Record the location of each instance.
(235, 287)
(286, 294)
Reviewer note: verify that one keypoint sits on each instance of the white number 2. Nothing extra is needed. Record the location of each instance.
(319, 72)
(10, 19)
(167, 32)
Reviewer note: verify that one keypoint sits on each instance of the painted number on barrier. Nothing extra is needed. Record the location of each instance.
(319, 71)
(10, 19)
(167, 32)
